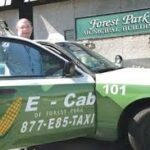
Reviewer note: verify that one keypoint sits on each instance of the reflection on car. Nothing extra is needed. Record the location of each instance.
(24, 59)
(88, 59)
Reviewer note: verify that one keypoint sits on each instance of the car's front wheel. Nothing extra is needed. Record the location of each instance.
(139, 130)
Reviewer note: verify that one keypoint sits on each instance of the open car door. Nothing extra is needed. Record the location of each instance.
(42, 108)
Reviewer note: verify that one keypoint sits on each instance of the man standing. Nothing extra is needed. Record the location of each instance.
(23, 60)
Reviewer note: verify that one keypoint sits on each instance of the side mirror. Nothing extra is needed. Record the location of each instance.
(118, 61)
(69, 69)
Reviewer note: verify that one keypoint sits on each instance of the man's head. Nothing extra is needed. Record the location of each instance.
(24, 28)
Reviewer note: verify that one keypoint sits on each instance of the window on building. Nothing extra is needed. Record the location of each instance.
(69, 35)
(26, 1)
(5, 3)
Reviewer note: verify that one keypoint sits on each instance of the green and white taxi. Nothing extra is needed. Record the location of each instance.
(67, 100)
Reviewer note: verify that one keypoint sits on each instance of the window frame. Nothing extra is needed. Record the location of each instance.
(40, 48)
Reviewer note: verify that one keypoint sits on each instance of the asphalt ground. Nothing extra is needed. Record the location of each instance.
(83, 144)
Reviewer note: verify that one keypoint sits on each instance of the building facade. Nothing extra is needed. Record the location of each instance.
(62, 17)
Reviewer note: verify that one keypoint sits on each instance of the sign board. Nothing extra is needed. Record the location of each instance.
(113, 25)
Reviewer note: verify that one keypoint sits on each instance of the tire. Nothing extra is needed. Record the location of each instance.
(139, 130)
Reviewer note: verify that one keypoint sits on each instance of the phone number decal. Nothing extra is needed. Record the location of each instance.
(60, 122)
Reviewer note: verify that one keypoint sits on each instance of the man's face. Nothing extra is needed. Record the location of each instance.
(24, 29)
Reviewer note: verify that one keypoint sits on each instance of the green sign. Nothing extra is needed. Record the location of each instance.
(113, 25)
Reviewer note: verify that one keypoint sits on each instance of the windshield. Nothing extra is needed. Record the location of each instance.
(93, 61)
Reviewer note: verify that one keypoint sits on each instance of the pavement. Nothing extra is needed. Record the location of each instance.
(83, 144)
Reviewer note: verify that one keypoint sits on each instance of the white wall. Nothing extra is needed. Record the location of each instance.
(51, 18)
(130, 47)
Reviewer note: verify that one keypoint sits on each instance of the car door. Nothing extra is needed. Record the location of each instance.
(44, 106)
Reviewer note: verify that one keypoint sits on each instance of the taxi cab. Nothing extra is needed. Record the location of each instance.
(66, 100)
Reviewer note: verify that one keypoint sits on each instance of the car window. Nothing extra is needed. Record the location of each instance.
(93, 61)
(20, 59)
(52, 65)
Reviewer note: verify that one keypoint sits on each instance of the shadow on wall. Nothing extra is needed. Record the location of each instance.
(138, 63)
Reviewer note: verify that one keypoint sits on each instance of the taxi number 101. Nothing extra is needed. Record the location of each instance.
(115, 89)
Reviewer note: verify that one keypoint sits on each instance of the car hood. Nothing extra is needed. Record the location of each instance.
(134, 76)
